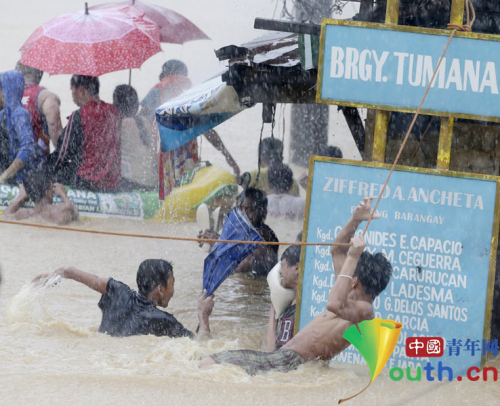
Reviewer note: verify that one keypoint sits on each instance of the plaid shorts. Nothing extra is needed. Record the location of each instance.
(254, 362)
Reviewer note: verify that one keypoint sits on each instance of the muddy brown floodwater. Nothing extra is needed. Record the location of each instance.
(51, 353)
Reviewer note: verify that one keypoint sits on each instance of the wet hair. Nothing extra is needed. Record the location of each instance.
(331, 151)
(374, 273)
(152, 273)
(89, 83)
(271, 151)
(126, 101)
(257, 195)
(29, 71)
(173, 67)
(292, 255)
(36, 185)
(280, 178)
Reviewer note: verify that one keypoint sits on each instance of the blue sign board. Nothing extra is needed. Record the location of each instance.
(373, 65)
(436, 229)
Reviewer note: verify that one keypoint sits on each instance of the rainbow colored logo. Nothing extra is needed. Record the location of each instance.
(375, 340)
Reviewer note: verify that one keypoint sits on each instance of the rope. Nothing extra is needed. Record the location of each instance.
(159, 237)
(466, 27)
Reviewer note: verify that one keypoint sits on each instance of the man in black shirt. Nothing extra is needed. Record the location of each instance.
(126, 312)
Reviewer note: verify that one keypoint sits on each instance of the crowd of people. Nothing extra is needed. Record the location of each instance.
(112, 147)
(103, 147)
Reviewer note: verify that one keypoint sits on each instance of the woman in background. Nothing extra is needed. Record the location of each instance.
(139, 160)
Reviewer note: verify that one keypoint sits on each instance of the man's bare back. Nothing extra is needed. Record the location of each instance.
(348, 303)
(60, 214)
(321, 338)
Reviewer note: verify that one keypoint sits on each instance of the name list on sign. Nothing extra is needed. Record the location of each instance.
(426, 285)
(424, 270)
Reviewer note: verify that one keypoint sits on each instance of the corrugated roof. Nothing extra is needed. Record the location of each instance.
(273, 49)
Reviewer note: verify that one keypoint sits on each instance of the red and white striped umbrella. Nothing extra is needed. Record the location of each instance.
(92, 42)
(174, 28)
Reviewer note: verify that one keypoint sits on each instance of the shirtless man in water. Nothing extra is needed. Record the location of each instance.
(40, 190)
(359, 278)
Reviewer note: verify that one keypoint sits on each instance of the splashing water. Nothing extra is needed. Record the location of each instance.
(27, 305)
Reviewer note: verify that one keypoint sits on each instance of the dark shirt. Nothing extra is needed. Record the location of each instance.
(126, 313)
(65, 161)
(5, 158)
(285, 327)
(262, 268)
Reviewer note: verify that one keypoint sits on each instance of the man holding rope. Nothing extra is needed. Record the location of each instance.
(359, 278)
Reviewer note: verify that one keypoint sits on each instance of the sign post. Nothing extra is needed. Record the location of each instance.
(389, 68)
(438, 229)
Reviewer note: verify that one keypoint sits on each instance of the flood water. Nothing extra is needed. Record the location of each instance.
(50, 351)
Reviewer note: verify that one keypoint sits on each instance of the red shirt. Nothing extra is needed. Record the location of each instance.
(101, 157)
(40, 129)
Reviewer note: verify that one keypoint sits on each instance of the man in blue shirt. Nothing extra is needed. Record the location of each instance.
(25, 154)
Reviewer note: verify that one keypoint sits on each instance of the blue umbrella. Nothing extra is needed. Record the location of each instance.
(225, 257)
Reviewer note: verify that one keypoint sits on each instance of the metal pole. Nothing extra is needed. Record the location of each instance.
(309, 124)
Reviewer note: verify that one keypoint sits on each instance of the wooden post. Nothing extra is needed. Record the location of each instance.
(457, 12)
(446, 131)
(380, 136)
(382, 119)
(444, 148)
(392, 12)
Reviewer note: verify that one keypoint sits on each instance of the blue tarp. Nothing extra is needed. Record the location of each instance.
(225, 257)
(196, 111)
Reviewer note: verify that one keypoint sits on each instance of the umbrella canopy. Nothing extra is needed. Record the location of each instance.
(225, 257)
(174, 28)
(92, 43)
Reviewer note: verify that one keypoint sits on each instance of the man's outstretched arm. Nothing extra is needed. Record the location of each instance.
(361, 213)
(50, 105)
(94, 282)
(14, 167)
(352, 310)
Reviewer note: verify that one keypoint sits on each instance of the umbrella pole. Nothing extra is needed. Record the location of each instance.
(130, 77)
